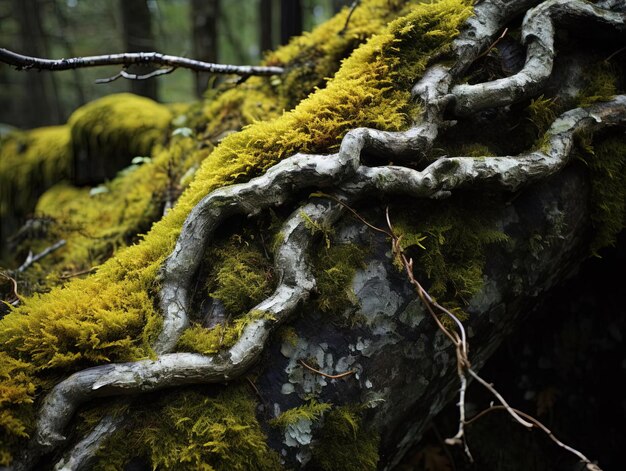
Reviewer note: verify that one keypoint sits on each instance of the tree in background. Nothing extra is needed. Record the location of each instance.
(138, 36)
(205, 23)
(266, 8)
(41, 105)
(290, 19)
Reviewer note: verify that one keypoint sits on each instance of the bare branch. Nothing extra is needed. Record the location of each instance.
(126, 75)
(536, 423)
(152, 58)
(355, 4)
(31, 259)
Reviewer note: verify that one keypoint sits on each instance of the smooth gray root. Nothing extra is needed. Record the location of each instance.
(538, 36)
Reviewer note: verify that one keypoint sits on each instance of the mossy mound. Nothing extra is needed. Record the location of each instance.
(107, 133)
(97, 222)
(30, 162)
(111, 316)
(132, 201)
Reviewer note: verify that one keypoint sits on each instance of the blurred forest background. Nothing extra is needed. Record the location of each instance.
(226, 31)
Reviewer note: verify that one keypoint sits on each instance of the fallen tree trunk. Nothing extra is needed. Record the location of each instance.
(338, 349)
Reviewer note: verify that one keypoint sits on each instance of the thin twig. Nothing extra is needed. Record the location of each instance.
(459, 340)
(256, 390)
(340, 375)
(354, 213)
(493, 391)
(355, 4)
(31, 259)
(153, 58)
(615, 53)
(494, 44)
(16, 296)
(536, 423)
(128, 76)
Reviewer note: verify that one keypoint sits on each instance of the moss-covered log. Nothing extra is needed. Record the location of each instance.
(322, 356)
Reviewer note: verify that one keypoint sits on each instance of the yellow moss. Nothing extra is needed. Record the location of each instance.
(31, 162)
(17, 394)
(114, 219)
(96, 223)
(123, 124)
(110, 316)
(193, 430)
(207, 341)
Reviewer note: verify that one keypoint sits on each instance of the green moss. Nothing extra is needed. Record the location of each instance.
(313, 411)
(288, 335)
(602, 84)
(193, 430)
(325, 230)
(450, 242)
(605, 160)
(607, 167)
(110, 316)
(343, 439)
(542, 112)
(334, 269)
(242, 277)
(121, 124)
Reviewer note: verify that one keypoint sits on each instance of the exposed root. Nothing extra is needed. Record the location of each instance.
(296, 282)
(507, 172)
(538, 36)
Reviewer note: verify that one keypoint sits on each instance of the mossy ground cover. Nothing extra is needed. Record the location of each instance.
(196, 429)
(111, 315)
(30, 162)
(132, 201)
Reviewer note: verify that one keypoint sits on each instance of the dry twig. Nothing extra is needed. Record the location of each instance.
(32, 259)
(325, 375)
(459, 340)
